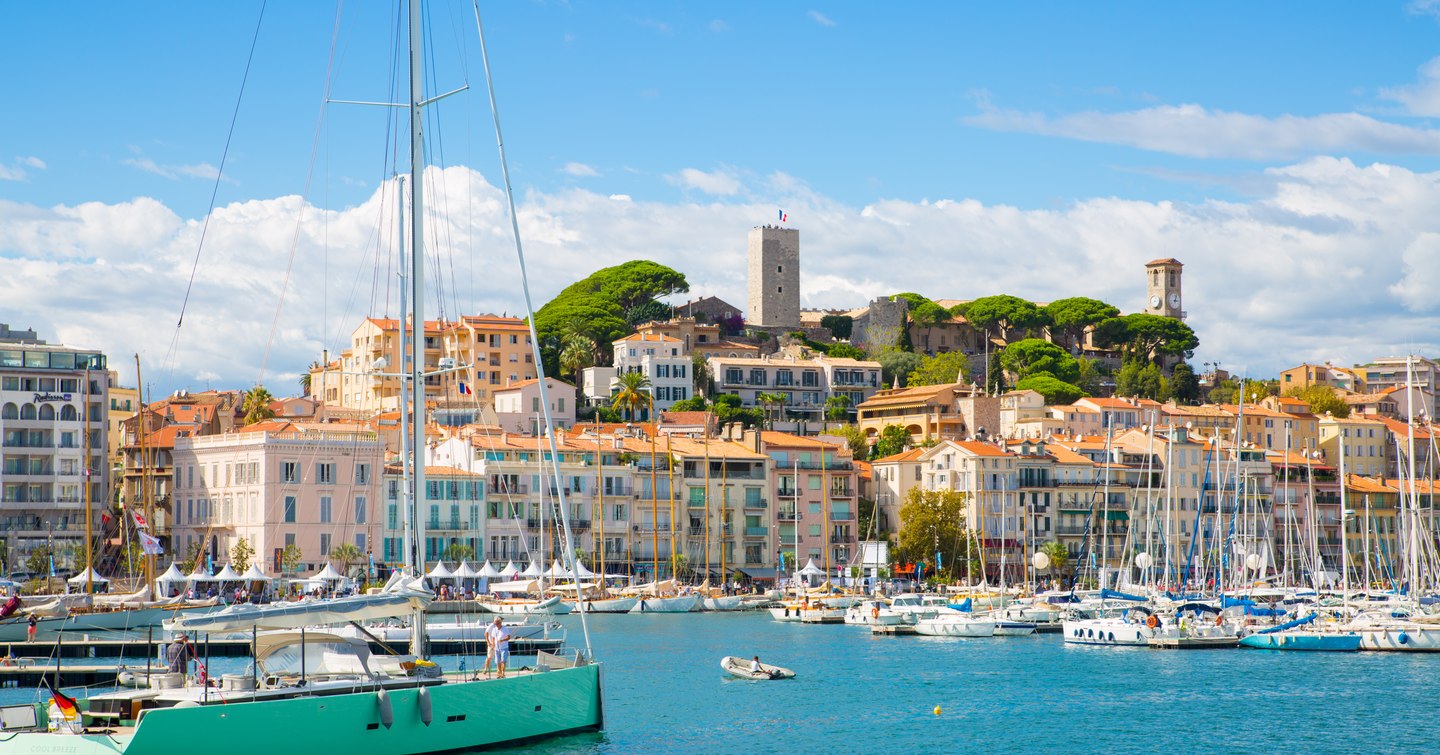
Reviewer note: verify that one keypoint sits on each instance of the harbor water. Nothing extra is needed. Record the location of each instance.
(855, 692)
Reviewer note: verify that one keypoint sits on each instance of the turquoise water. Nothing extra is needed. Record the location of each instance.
(664, 691)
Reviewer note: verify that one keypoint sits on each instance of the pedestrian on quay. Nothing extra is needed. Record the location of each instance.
(31, 624)
(497, 643)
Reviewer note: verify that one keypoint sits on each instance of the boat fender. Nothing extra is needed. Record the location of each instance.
(422, 697)
(387, 709)
(1152, 622)
(1404, 638)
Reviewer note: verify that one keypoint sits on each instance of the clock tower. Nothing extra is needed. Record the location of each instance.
(1162, 288)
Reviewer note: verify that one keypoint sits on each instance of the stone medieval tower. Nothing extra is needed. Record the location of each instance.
(1162, 288)
(774, 277)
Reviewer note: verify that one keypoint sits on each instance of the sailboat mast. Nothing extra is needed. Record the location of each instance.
(654, 514)
(1344, 535)
(670, 467)
(417, 300)
(707, 492)
(85, 482)
(407, 497)
(1414, 519)
(144, 466)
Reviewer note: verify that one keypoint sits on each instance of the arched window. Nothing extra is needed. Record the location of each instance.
(11, 411)
(27, 411)
(68, 413)
(47, 412)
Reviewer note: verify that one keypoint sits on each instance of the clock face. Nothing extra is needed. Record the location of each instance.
(1175, 300)
(1155, 302)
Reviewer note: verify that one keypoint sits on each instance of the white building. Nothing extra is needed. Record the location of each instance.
(47, 435)
(517, 406)
(660, 358)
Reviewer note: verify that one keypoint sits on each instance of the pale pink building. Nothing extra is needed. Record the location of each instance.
(275, 483)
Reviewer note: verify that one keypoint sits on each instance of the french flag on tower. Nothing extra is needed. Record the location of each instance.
(784, 217)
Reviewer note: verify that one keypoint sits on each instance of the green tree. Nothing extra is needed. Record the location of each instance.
(897, 363)
(1072, 316)
(1142, 380)
(38, 562)
(1054, 390)
(1033, 356)
(1092, 375)
(844, 351)
(647, 311)
(679, 565)
(1059, 558)
(240, 554)
(256, 405)
(998, 315)
(1147, 337)
(458, 552)
(600, 301)
(837, 407)
(577, 353)
(893, 439)
(1322, 400)
(1226, 391)
(700, 375)
(192, 558)
(946, 367)
(855, 439)
(346, 554)
(633, 393)
(1184, 386)
(692, 404)
(933, 521)
(840, 326)
(290, 558)
(995, 377)
(307, 377)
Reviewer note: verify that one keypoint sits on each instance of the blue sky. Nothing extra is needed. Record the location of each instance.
(1286, 152)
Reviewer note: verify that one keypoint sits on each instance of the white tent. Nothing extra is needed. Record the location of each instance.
(811, 570)
(556, 570)
(227, 574)
(173, 574)
(329, 574)
(533, 570)
(509, 570)
(582, 571)
(440, 571)
(89, 575)
(465, 571)
(199, 575)
(253, 574)
(488, 570)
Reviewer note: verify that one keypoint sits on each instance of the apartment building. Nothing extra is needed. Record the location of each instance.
(54, 403)
(452, 510)
(276, 484)
(663, 360)
(816, 488)
(806, 382)
(518, 407)
(929, 412)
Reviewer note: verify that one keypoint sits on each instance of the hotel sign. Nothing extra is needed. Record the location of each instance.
(43, 397)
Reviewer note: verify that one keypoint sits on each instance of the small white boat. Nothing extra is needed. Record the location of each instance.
(610, 605)
(786, 612)
(723, 603)
(744, 669)
(873, 613)
(955, 625)
(1008, 628)
(678, 604)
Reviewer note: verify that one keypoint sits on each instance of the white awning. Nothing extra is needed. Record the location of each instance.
(811, 570)
(556, 570)
(173, 574)
(199, 575)
(440, 572)
(510, 569)
(465, 571)
(533, 570)
(328, 573)
(489, 570)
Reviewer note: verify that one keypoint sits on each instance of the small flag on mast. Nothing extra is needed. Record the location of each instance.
(68, 709)
(784, 217)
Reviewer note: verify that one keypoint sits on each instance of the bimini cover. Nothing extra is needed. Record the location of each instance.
(243, 616)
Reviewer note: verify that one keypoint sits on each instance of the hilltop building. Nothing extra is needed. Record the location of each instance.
(773, 258)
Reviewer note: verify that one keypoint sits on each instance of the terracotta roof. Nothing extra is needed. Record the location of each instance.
(788, 440)
(528, 381)
(1361, 484)
(649, 338)
(980, 449)
(684, 418)
(911, 395)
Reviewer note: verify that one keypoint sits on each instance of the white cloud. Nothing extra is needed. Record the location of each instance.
(579, 169)
(720, 182)
(1334, 261)
(1423, 7)
(820, 18)
(1195, 131)
(18, 172)
(1422, 97)
(202, 170)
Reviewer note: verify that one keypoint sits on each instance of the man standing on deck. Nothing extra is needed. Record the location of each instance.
(177, 655)
(497, 644)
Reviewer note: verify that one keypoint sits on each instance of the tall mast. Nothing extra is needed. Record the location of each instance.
(670, 468)
(85, 482)
(407, 499)
(654, 514)
(599, 508)
(1414, 519)
(144, 468)
(1344, 535)
(707, 492)
(417, 301)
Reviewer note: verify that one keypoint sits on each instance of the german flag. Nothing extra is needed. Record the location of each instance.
(65, 703)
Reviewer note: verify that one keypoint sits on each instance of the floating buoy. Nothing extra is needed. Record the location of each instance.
(937, 710)
(1404, 638)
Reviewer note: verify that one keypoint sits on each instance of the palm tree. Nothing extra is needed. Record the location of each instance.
(256, 405)
(306, 379)
(346, 554)
(633, 393)
(577, 354)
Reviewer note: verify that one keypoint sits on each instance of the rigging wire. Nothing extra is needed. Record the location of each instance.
(214, 192)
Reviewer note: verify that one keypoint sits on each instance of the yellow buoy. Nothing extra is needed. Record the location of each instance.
(937, 710)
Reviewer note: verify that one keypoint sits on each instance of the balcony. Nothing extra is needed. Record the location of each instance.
(756, 503)
(842, 493)
(839, 539)
(842, 516)
(757, 531)
(787, 515)
(648, 529)
(833, 465)
(788, 492)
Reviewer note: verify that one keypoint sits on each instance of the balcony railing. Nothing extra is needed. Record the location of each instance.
(786, 515)
(788, 492)
(755, 503)
(757, 531)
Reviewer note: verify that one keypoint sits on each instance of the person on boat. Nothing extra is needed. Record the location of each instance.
(497, 640)
(177, 655)
(756, 668)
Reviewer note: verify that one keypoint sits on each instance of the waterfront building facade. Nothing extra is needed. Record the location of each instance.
(54, 403)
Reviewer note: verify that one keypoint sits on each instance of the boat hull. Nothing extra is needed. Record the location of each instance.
(739, 667)
(1105, 632)
(1309, 641)
(611, 605)
(681, 604)
(48, 630)
(1404, 639)
(548, 607)
(941, 627)
(723, 603)
(464, 715)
